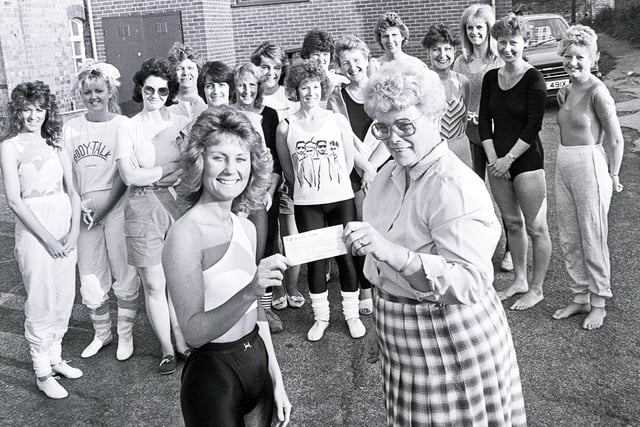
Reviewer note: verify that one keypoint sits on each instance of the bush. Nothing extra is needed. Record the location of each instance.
(620, 23)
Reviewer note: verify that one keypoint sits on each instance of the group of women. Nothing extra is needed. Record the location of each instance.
(254, 149)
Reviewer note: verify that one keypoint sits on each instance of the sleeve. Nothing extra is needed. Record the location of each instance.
(269, 127)
(485, 119)
(457, 64)
(603, 103)
(124, 140)
(536, 99)
(561, 96)
(465, 231)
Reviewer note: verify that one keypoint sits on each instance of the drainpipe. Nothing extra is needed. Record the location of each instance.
(493, 6)
(92, 30)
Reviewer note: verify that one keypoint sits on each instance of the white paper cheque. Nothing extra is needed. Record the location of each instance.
(314, 245)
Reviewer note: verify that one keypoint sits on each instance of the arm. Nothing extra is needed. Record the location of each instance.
(485, 118)
(283, 151)
(70, 239)
(347, 140)
(613, 143)
(117, 191)
(269, 128)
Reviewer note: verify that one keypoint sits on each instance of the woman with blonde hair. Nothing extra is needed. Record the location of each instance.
(587, 168)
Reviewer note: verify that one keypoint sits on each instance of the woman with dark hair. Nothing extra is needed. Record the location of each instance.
(90, 140)
(511, 112)
(216, 84)
(232, 378)
(148, 154)
(441, 47)
(38, 185)
(318, 45)
(187, 63)
(392, 35)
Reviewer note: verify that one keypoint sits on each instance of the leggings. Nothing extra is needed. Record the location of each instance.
(224, 382)
(312, 217)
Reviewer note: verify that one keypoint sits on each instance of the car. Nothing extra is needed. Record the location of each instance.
(542, 51)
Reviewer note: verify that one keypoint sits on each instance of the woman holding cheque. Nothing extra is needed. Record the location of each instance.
(445, 345)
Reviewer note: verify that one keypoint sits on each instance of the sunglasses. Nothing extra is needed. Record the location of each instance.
(402, 128)
(162, 91)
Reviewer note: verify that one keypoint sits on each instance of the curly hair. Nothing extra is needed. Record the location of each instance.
(350, 42)
(181, 51)
(396, 86)
(478, 12)
(389, 20)
(216, 72)
(579, 35)
(34, 93)
(205, 133)
(316, 41)
(306, 69)
(158, 68)
(439, 33)
(272, 51)
(253, 70)
(93, 71)
(511, 25)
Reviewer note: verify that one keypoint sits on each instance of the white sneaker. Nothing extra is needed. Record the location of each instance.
(66, 371)
(507, 262)
(51, 388)
(125, 348)
(356, 327)
(95, 346)
(317, 330)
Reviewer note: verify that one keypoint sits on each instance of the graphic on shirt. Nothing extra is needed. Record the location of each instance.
(96, 149)
(316, 162)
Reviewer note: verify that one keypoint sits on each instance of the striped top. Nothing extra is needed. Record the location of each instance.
(454, 120)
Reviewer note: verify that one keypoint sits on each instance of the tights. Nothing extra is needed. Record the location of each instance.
(312, 217)
(225, 383)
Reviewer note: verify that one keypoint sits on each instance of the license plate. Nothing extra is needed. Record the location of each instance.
(557, 84)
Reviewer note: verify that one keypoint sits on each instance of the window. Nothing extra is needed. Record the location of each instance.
(76, 35)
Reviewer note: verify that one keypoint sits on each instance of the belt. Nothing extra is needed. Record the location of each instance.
(403, 300)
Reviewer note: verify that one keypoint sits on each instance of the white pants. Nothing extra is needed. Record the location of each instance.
(583, 196)
(49, 282)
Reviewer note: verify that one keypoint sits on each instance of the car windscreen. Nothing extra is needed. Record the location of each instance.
(546, 31)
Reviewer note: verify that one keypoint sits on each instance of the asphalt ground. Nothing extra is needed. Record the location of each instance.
(570, 377)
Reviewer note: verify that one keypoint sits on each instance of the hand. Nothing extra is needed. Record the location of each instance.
(267, 201)
(500, 167)
(617, 187)
(270, 272)
(69, 241)
(371, 346)
(282, 404)
(367, 178)
(55, 248)
(87, 218)
(362, 239)
(472, 117)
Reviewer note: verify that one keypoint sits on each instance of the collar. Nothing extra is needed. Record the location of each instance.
(419, 169)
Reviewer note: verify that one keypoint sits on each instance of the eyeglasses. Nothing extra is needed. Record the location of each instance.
(402, 128)
(162, 91)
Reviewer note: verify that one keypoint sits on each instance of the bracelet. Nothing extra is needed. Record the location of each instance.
(511, 156)
(410, 257)
(613, 175)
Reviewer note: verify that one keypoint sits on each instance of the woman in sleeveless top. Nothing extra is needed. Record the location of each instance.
(392, 35)
(90, 140)
(315, 147)
(232, 377)
(441, 46)
(587, 167)
(38, 184)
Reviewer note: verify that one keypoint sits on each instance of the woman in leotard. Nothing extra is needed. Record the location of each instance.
(587, 167)
(38, 184)
(232, 377)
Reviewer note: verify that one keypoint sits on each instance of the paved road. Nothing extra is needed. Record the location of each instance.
(571, 377)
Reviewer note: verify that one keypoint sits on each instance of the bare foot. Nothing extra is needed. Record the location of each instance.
(594, 319)
(528, 300)
(570, 310)
(517, 287)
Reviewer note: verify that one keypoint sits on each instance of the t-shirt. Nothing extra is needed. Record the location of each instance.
(279, 102)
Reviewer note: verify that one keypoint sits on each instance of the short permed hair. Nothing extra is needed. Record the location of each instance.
(439, 33)
(34, 93)
(316, 41)
(306, 69)
(389, 20)
(181, 51)
(251, 69)
(159, 68)
(217, 72)
(207, 129)
(93, 71)
(350, 42)
(511, 25)
(477, 12)
(399, 85)
(579, 35)
(273, 52)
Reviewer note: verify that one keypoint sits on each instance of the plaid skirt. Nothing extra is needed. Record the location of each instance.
(448, 365)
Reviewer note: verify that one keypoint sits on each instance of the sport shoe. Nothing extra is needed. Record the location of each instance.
(183, 355)
(275, 324)
(317, 330)
(95, 346)
(51, 388)
(507, 262)
(356, 327)
(168, 365)
(279, 303)
(125, 348)
(66, 371)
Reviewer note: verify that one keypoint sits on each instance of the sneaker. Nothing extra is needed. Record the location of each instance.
(279, 303)
(356, 327)
(51, 388)
(365, 306)
(275, 324)
(295, 301)
(317, 330)
(125, 348)
(66, 371)
(95, 346)
(184, 355)
(507, 262)
(168, 365)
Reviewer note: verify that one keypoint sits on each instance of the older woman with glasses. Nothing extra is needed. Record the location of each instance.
(445, 345)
